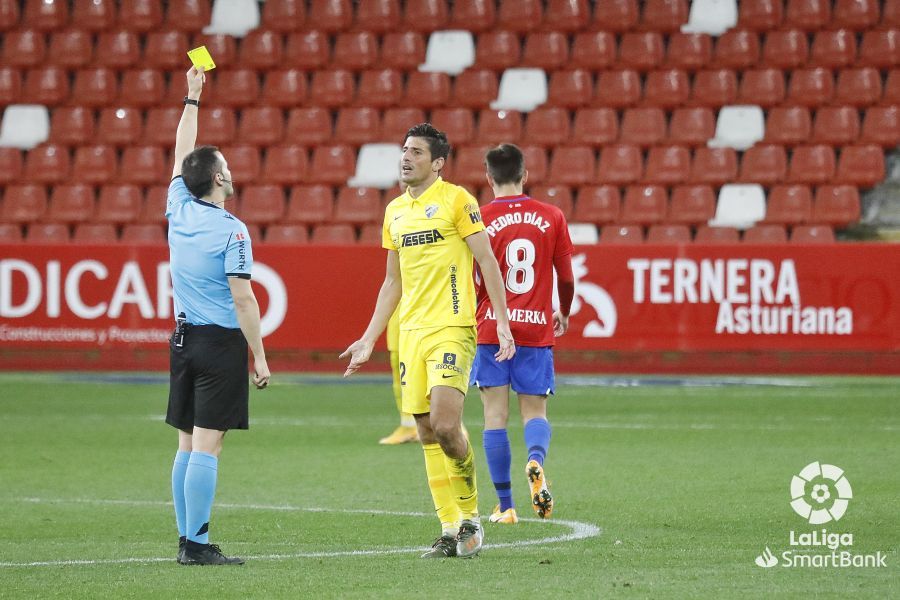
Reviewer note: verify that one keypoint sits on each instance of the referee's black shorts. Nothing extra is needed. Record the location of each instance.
(208, 380)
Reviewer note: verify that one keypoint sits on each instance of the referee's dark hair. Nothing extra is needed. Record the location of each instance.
(437, 140)
(198, 169)
(505, 164)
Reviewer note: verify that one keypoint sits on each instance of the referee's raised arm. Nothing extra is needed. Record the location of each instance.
(186, 136)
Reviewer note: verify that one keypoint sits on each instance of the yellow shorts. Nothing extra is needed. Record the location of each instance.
(432, 357)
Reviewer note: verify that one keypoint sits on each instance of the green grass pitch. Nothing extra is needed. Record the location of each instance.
(666, 489)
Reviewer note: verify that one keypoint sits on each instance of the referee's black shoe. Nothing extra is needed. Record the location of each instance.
(181, 543)
(206, 554)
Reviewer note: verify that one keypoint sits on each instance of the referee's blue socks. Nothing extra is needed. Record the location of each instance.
(499, 457)
(199, 491)
(537, 439)
(179, 469)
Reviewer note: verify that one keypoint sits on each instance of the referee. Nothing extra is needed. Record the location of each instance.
(210, 260)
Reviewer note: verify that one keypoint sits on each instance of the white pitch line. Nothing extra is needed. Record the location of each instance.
(579, 531)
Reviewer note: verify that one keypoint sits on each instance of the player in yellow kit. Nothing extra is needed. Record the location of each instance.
(432, 232)
(406, 431)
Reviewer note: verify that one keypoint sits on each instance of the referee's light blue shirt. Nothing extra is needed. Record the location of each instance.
(207, 245)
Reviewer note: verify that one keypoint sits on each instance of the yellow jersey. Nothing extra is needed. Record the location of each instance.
(429, 234)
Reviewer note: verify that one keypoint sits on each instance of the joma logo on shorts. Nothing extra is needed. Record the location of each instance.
(418, 238)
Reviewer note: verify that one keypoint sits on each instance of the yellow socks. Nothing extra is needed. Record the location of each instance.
(439, 484)
(463, 484)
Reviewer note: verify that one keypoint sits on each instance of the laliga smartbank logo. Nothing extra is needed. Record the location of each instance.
(820, 493)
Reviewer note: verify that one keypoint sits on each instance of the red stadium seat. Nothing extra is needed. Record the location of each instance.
(644, 205)
(809, 15)
(716, 235)
(48, 233)
(243, 162)
(280, 233)
(10, 86)
(891, 89)
(284, 15)
(497, 127)
(153, 211)
(714, 166)
(861, 165)
(357, 126)
(547, 126)
(466, 166)
(859, 87)
(332, 88)
(714, 88)
(188, 15)
(216, 126)
(95, 233)
(403, 50)
(787, 49)
(310, 204)
(48, 164)
(309, 126)
(536, 162)
(355, 50)
(498, 50)
(142, 88)
(476, 88)
(521, 16)
(9, 14)
(559, 196)
(161, 125)
(95, 87)
(567, 15)
(331, 15)
(595, 126)
(689, 51)
(427, 90)
(668, 233)
(71, 203)
(140, 15)
(836, 205)
(118, 49)
(260, 50)
(789, 204)
(736, 49)
(598, 204)
(618, 89)
(378, 16)
(143, 165)
(94, 15)
(879, 49)
(397, 121)
(762, 87)
(24, 48)
(332, 164)
(222, 46)
(761, 15)
(890, 14)
(668, 165)
(284, 88)
(307, 50)
(621, 234)
(835, 125)
(143, 233)
(285, 165)
(810, 87)
(593, 50)
(425, 16)
(382, 88)
(767, 233)
(119, 204)
(643, 126)
(24, 203)
(664, 15)
(570, 89)
(11, 164)
(812, 164)
(457, 123)
(120, 126)
(788, 125)
(45, 16)
(370, 234)
(10, 233)
(358, 206)
(881, 126)
(833, 49)
(95, 164)
(333, 234)
(72, 48)
(692, 205)
(616, 15)
(692, 126)
(764, 164)
(812, 234)
(165, 50)
(546, 50)
(473, 15)
(262, 204)
(666, 89)
(641, 51)
(855, 14)
(48, 86)
(573, 165)
(620, 164)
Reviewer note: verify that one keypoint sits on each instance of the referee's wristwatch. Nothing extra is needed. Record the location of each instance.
(191, 101)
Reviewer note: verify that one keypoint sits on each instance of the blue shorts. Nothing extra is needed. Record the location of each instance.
(529, 372)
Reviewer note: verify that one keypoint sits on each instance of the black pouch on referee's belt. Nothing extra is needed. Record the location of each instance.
(181, 328)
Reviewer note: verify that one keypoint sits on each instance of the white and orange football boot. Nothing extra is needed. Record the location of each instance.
(541, 500)
(506, 517)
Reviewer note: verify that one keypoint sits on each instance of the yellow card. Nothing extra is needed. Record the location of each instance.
(201, 58)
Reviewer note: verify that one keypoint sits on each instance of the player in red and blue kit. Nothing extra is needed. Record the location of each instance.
(530, 239)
